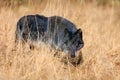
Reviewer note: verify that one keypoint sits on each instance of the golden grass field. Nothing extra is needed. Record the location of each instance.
(101, 35)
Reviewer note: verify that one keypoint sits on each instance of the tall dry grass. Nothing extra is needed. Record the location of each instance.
(101, 53)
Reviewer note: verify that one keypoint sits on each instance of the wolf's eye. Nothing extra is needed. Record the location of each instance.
(77, 44)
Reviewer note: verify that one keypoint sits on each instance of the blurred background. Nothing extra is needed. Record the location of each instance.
(17, 3)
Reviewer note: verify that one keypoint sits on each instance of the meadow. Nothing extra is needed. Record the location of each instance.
(100, 22)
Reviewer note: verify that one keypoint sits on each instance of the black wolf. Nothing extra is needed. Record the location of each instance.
(56, 31)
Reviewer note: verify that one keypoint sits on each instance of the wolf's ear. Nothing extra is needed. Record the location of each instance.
(79, 31)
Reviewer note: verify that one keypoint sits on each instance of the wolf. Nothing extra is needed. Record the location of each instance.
(57, 31)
